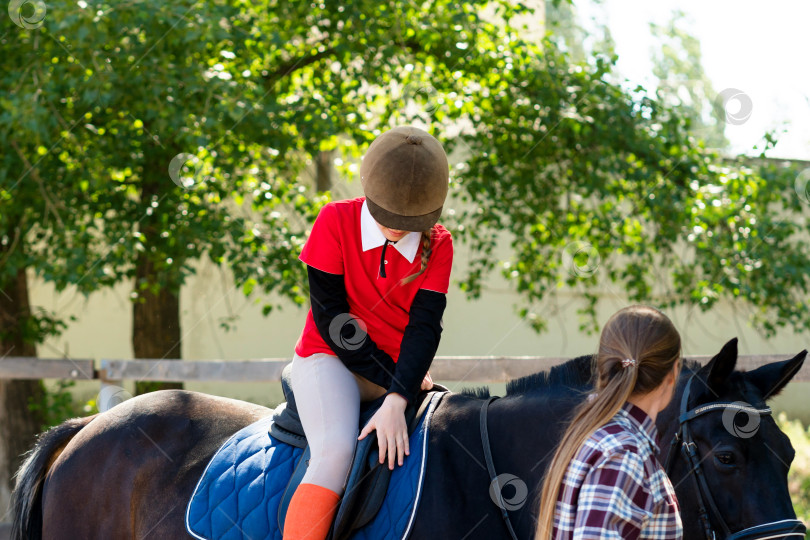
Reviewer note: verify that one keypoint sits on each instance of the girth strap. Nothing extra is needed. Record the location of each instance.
(493, 476)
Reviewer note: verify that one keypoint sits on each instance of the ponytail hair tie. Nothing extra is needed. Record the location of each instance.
(627, 362)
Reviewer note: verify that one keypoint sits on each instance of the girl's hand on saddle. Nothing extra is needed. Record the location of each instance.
(427, 382)
(392, 432)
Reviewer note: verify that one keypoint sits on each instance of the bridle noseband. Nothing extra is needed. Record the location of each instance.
(775, 529)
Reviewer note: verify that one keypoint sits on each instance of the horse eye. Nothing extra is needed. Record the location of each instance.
(726, 458)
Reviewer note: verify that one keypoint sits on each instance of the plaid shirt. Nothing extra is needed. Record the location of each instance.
(615, 487)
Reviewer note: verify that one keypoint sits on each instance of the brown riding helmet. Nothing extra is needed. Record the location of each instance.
(405, 179)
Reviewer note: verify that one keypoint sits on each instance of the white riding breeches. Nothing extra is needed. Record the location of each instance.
(328, 397)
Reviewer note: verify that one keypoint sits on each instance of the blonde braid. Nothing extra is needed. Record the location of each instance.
(426, 249)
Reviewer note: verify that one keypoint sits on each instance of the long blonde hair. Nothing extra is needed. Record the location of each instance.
(426, 249)
(641, 333)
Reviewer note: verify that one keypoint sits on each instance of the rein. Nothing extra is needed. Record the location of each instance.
(493, 476)
(775, 529)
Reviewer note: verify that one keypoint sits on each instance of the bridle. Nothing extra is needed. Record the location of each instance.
(772, 530)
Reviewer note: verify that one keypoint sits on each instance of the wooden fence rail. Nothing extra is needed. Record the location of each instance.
(471, 369)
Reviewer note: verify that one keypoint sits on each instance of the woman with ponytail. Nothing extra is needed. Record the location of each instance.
(604, 480)
(379, 270)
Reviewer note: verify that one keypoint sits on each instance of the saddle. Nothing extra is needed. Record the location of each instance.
(368, 480)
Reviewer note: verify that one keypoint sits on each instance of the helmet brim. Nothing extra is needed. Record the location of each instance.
(403, 223)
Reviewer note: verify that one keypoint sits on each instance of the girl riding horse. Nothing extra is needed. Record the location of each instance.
(379, 269)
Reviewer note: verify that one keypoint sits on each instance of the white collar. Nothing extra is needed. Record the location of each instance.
(373, 237)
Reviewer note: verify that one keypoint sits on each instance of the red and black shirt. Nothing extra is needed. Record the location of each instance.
(379, 327)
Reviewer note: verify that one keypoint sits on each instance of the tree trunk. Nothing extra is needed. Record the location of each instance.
(155, 323)
(156, 310)
(19, 425)
(323, 171)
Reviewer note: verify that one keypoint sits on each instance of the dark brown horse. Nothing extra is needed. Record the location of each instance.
(129, 472)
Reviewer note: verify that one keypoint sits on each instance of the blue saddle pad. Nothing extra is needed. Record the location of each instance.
(238, 495)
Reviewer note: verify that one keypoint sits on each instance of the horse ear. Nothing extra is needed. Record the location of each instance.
(773, 377)
(721, 366)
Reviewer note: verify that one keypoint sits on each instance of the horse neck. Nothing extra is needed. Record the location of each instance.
(524, 434)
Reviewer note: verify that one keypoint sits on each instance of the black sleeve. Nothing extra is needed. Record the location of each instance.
(419, 343)
(342, 332)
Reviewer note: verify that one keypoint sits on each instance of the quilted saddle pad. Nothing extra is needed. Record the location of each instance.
(238, 495)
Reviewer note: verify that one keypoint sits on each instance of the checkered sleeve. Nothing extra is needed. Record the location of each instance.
(614, 501)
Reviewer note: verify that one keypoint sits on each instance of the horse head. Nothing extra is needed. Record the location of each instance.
(728, 459)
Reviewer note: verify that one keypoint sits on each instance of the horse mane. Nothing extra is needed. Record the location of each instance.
(480, 392)
(690, 366)
(573, 373)
(576, 372)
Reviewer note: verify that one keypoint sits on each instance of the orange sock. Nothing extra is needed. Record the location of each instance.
(310, 513)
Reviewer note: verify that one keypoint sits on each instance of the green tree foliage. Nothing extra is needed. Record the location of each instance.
(604, 189)
(683, 83)
(554, 153)
(168, 132)
(562, 27)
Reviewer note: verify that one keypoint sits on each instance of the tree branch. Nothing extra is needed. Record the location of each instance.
(291, 66)
(38, 179)
(17, 234)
